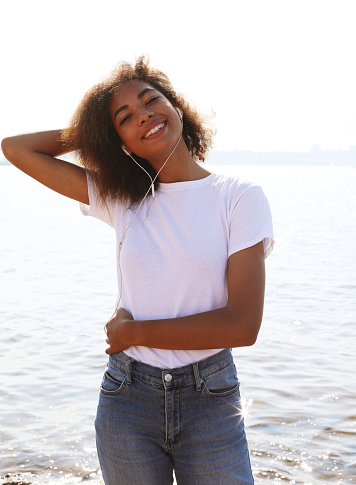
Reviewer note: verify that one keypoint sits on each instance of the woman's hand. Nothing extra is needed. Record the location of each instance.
(116, 331)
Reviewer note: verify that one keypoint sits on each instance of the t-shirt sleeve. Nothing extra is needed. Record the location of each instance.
(251, 222)
(97, 207)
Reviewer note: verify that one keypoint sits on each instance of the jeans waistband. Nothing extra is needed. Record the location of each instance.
(178, 376)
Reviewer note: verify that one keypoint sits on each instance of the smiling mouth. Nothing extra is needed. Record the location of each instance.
(154, 130)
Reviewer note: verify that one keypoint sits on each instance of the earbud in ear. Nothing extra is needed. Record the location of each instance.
(180, 114)
(125, 150)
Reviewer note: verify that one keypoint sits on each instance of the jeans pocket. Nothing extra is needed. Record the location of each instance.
(114, 381)
(223, 382)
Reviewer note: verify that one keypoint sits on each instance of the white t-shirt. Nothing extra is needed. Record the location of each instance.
(174, 254)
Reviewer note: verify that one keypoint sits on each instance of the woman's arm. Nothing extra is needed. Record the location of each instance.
(35, 154)
(235, 325)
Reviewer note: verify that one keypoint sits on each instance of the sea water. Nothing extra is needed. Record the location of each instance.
(58, 289)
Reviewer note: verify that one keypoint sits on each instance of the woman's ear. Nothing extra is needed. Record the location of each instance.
(126, 150)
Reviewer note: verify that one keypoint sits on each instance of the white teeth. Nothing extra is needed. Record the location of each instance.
(154, 130)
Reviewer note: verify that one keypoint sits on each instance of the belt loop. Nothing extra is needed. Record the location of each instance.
(198, 379)
(128, 375)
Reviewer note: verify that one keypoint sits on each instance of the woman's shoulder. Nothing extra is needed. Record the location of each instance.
(232, 184)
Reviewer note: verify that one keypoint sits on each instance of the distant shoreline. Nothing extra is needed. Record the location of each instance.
(315, 156)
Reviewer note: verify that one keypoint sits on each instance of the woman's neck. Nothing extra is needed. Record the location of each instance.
(180, 167)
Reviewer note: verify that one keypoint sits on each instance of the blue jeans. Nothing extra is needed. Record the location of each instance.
(151, 421)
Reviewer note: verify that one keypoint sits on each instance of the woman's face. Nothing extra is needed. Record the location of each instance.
(148, 125)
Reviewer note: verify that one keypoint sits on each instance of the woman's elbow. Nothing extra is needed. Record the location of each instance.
(246, 335)
(4, 146)
(8, 146)
(251, 339)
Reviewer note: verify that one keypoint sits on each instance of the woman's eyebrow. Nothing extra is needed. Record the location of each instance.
(142, 93)
(120, 109)
(139, 96)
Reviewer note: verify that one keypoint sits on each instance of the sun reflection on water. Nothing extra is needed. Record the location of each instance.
(245, 407)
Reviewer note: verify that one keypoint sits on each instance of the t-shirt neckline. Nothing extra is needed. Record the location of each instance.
(189, 184)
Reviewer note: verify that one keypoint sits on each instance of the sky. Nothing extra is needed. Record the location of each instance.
(273, 75)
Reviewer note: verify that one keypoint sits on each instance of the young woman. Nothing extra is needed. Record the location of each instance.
(190, 261)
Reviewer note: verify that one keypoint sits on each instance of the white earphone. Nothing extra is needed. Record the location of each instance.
(180, 114)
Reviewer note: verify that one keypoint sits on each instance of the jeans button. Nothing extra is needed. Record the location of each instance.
(168, 377)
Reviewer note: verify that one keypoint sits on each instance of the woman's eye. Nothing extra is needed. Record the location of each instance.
(152, 99)
(124, 119)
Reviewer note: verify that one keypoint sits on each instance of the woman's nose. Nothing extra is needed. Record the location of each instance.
(145, 115)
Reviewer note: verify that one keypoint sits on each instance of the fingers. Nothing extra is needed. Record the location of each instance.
(112, 331)
(108, 350)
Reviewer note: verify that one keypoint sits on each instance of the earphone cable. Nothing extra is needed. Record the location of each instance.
(128, 224)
